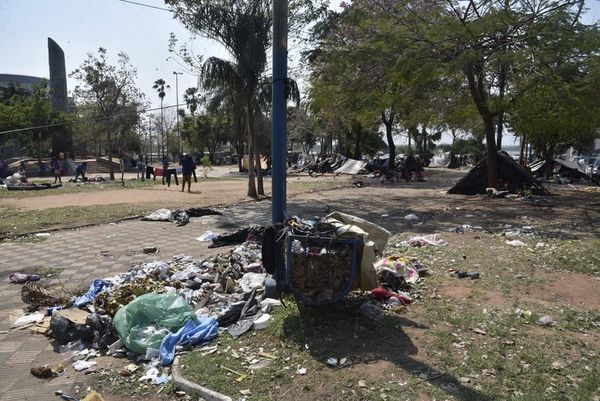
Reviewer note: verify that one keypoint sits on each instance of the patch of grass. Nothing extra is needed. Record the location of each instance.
(14, 223)
(70, 188)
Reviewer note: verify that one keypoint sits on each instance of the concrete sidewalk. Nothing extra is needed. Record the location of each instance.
(86, 254)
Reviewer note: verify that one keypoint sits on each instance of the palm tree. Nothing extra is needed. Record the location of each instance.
(160, 85)
(243, 28)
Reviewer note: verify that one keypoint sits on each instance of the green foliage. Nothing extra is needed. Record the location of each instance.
(110, 99)
(23, 110)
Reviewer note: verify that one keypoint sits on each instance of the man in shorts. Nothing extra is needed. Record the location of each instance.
(187, 166)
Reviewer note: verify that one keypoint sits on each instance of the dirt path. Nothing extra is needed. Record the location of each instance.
(204, 193)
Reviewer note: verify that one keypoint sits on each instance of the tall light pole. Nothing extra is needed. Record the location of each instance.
(177, 109)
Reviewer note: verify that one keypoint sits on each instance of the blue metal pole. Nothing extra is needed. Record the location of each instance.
(279, 113)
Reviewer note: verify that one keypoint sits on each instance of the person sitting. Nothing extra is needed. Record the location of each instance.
(80, 171)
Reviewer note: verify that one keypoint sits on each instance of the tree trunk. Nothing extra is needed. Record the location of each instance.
(111, 170)
(475, 77)
(522, 159)
(502, 85)
(251, 181)
(389, 122)
(357, 132)
(240, 138)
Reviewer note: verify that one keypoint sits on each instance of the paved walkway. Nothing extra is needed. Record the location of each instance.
(85, 254)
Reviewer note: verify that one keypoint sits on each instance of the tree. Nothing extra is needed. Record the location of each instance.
(20, 109)
(243, 28)
(160, 85)
(110, 92)
(486, 44)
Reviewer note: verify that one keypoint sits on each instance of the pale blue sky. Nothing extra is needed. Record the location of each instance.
(81, 26)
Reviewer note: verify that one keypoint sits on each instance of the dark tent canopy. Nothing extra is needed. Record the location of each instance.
(511, 177)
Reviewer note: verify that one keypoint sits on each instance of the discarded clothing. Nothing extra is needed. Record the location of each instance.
(191, 333)
(22, 278)
(238, 237)
(400, 267)
(381, 293)
(96, 287)
(179, 216)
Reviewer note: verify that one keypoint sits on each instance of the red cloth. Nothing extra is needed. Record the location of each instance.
(381, 293)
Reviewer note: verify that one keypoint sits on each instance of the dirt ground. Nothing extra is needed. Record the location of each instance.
(430, 351)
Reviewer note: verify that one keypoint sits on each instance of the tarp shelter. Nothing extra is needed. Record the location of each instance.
(511, 176)
(351, 166)
(564, 167)
(440, 159)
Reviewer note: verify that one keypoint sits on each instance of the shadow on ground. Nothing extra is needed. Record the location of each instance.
(342, 330)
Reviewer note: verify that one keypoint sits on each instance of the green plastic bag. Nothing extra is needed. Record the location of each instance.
(168, 311)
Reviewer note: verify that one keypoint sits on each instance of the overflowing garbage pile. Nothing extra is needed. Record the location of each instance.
(153, 310)
(157, 309)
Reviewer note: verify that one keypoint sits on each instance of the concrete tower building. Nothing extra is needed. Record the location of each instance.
(61, 139)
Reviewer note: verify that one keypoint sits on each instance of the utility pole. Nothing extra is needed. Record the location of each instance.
(279, 128)
(177, 109)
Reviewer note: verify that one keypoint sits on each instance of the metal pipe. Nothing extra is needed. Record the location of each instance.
(177, 109)
(279, 128)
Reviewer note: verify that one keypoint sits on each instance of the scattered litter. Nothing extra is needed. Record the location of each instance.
(362, 383)
(207, 236)
(262, 322)
(43, 235)
(93, 396)
(300, 370)
(179, 216)
(83, 365)
(422, 241)
(251, 281)
(332, 361)
(540, 245)
(516, 242)
(479, 331)
(546, 321)
(411, 217)
(150, 249)
(523, 313)
(465, 274)
(28, 319)
(22, 278)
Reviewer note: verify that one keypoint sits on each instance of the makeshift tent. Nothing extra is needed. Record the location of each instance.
(440, 159)
(511, 176)
(351, 166)
(564, 168)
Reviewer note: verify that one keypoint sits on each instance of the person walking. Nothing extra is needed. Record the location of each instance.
(166, 175)
(55, 167)
(187, 166)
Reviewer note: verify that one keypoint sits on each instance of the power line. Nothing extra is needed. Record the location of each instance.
(145, 5)
(81, 120)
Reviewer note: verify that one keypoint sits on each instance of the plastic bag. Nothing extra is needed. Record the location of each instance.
(168, 311)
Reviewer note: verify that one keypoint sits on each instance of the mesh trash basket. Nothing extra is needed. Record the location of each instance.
(320, 271)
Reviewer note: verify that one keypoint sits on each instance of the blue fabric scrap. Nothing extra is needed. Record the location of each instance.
(190, 334)
(96, 288)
